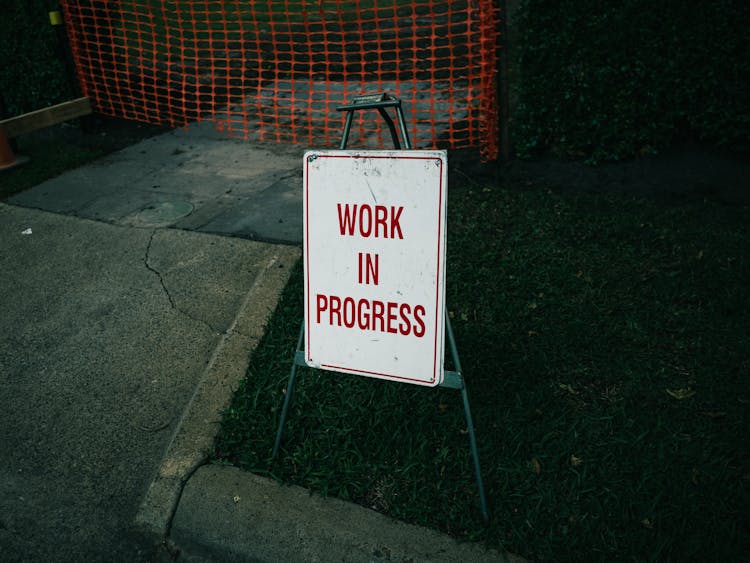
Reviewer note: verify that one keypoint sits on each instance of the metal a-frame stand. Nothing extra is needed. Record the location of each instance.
(451, 379)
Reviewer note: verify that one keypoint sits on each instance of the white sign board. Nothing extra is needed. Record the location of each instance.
(374, 261)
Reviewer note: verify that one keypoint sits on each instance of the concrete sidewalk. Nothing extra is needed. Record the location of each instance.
(185, 180)
(127, 323)
(108, 336)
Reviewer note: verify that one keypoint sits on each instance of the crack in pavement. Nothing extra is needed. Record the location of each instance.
(166, 290)
(157, 272)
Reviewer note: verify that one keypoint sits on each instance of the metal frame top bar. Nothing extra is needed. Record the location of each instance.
(380, 102)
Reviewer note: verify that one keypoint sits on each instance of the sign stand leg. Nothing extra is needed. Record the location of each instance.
(452, 380)
(289, 392)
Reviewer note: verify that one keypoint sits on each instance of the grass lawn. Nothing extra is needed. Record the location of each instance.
(604, 341)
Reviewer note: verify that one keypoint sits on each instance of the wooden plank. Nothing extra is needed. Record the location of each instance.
(28, 122)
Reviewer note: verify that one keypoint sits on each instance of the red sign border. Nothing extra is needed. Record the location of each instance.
(434, 381)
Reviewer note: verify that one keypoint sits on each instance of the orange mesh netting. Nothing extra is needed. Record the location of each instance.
(275, 70)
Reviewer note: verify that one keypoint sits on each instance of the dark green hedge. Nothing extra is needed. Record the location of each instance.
(610, 80)
(32, 73)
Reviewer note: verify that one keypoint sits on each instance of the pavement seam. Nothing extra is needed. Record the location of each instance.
(196, 429)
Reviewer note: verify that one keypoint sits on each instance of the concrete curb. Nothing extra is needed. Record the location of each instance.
(226, 514)
(195, 434)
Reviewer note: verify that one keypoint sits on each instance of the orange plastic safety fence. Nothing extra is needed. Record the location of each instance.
(275, 70)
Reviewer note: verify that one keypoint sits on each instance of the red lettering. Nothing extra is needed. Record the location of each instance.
(335, 310)
(368, 269)
(349, 314)
(378, 308)
(392, 307)
(381, 220)
(372, 270)
(363, 314)
(322, 305)
(395, 226)
(363, 222)
(371, 223)
(405, 326)
(347, 220)
(419, 312)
